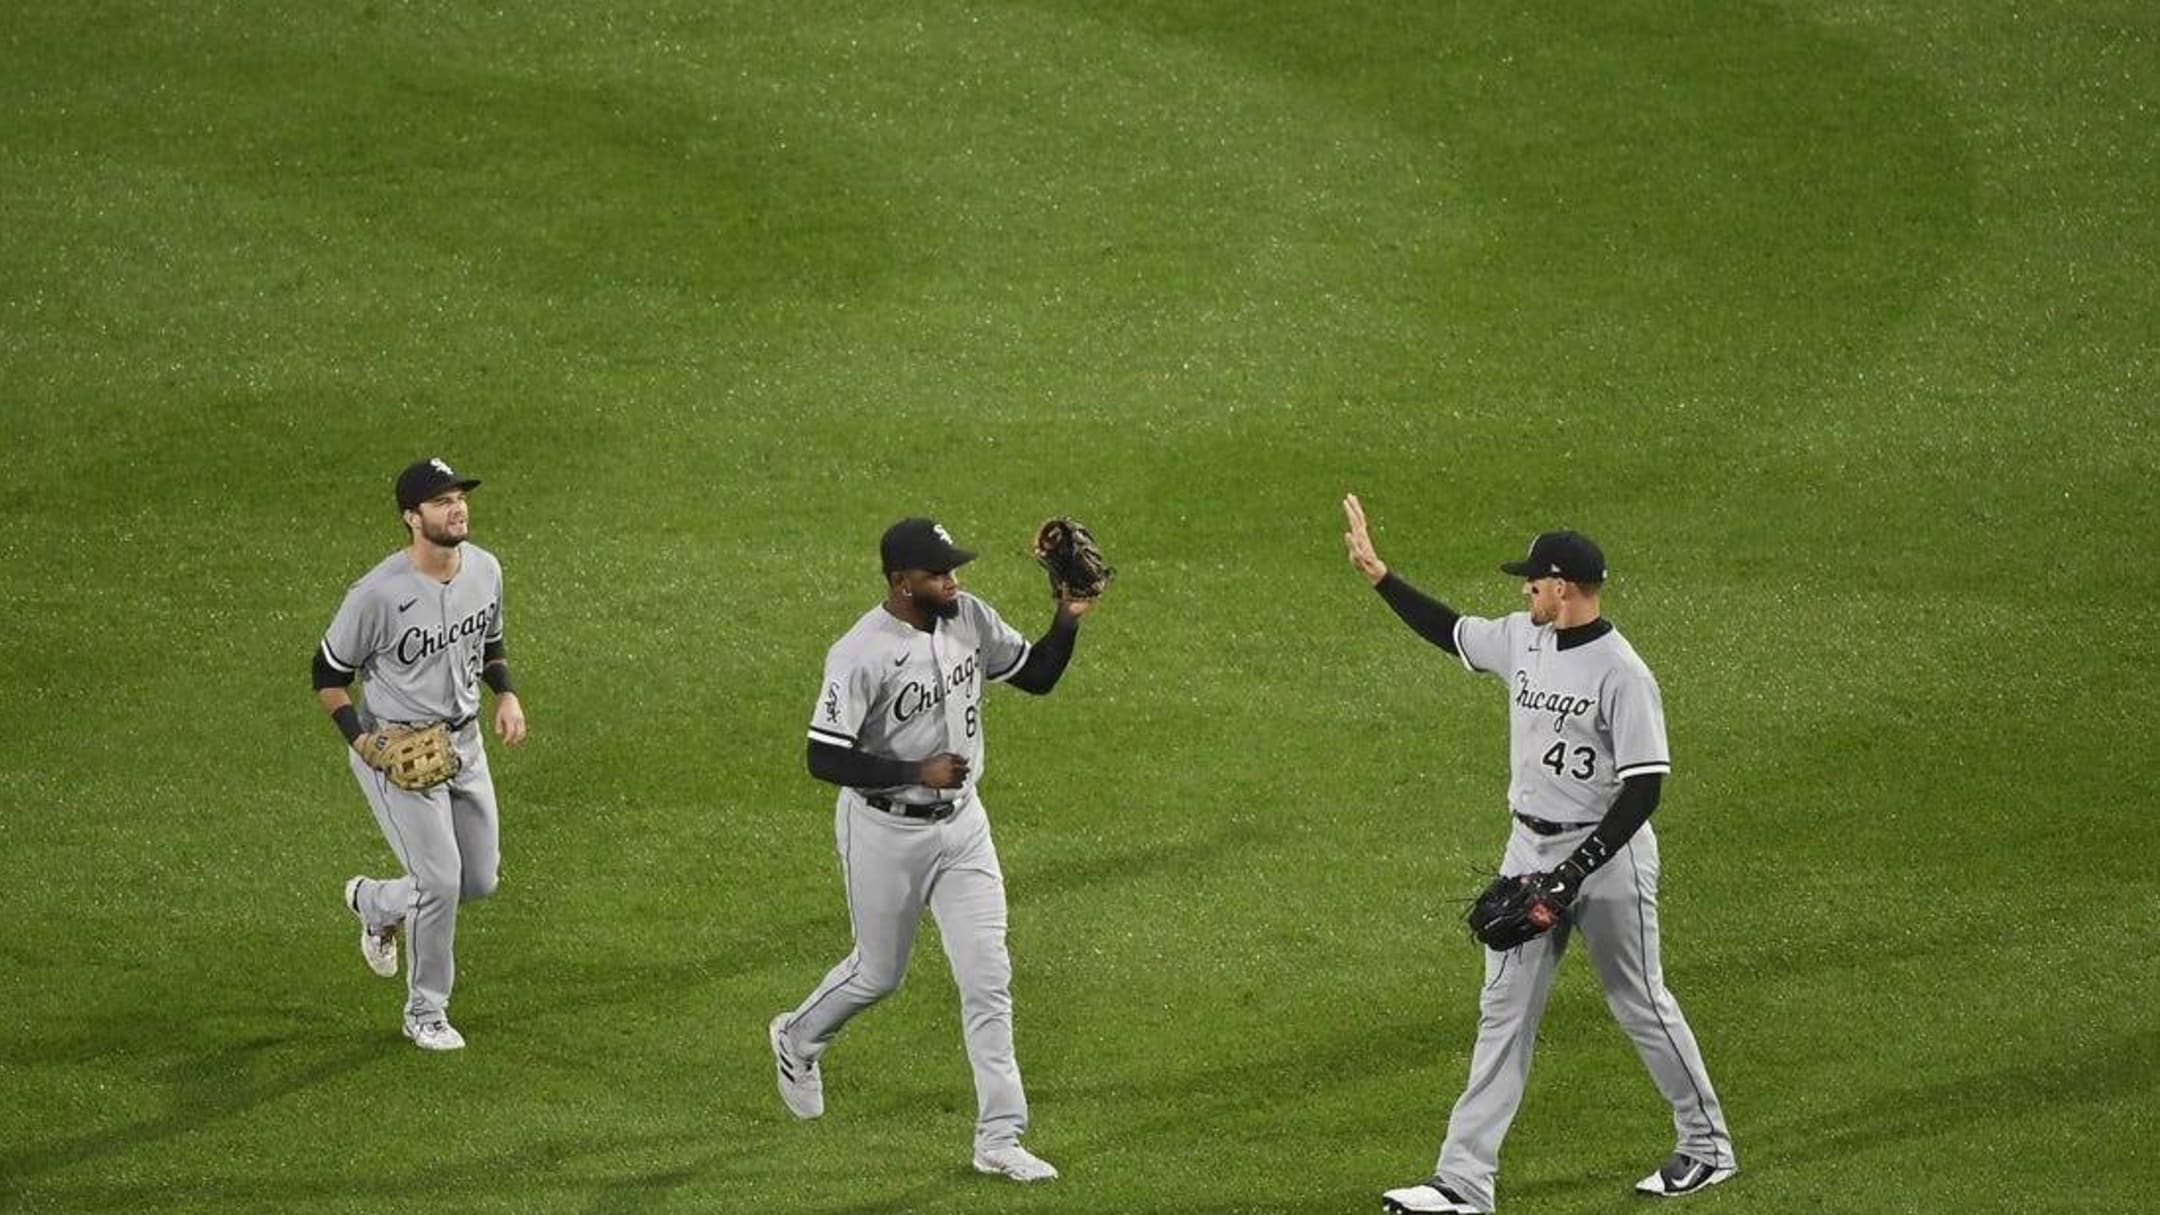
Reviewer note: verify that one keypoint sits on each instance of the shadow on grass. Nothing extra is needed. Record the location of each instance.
(1554, 1191)
(1030, 882)
(2105, 1071)
(909, 1199)
(1183, 1097)
(551, 1174)
(589, 979)
(224, 1082)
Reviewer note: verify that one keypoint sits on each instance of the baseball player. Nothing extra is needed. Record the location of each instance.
(1586, 742)
(898, 726)
(422, 630)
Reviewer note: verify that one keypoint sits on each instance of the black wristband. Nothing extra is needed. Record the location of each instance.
(497, 676)
(348, 722)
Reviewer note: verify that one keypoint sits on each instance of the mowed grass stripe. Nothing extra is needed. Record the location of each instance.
(1823, 317)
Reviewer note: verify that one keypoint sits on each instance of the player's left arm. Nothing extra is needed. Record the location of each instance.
(1641, 760)
(1629, 811)
(1047, 658)
(495, 673)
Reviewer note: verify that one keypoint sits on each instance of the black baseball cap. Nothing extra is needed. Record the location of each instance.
(1569, 555)
(921, 544)
(423, 479)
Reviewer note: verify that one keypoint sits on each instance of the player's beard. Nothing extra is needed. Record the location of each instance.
(443, 537)
(948, 610)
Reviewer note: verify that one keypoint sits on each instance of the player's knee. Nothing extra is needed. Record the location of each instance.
(994, 1004)
(1635, 1005)
(987, 986)
(878, 984)
(479, 885)
(437, 883)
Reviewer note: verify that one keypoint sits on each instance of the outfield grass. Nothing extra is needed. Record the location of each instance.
(1833, 321)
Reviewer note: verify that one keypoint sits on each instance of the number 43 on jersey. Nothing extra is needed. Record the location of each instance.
(1556, 758)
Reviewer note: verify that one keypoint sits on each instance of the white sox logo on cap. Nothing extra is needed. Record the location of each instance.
(1563, 554)
(921, 544)
(423, 479)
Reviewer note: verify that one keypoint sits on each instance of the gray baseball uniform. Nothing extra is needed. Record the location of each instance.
(416, 645)
(1582, 718)
(893, 690)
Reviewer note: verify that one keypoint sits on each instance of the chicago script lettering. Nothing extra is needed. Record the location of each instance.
(1560, 705)
(418, 643)
(915, 696)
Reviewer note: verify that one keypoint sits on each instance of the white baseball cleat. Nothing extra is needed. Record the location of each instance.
(1684, 1174)
(1015, 1162)
(377, 948)
(1424, 1198)
(437, 1034)
(802, 1089)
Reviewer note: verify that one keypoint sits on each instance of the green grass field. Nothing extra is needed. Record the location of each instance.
(1833, 321)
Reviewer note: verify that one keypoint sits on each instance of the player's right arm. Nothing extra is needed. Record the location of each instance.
(1427, 617)
(862, 770)
(835, 722)
(339, 657)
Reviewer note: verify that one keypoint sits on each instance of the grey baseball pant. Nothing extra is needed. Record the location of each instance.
(892, 868)
(1616, 914)
(446, 837)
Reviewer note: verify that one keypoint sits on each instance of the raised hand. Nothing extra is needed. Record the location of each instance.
(1358, 541)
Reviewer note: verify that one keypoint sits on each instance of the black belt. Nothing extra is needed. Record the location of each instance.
(453, 725)
(1545, 826)
(936, 812)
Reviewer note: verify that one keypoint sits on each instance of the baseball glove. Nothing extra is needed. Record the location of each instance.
(1513, 910)
(1068, 551)
(411, 759)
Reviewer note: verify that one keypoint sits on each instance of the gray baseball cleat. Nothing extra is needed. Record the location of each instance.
(434, 1034)
(1684, 1174)
(802, 1089)
(378, 948)
(1015, 1162)
(1425, 1198)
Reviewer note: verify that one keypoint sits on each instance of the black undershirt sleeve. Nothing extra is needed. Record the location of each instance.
(858, 769)
(495, 667)
(1047, 658)
(1638, 797)
(327, 676)
(1427, 617)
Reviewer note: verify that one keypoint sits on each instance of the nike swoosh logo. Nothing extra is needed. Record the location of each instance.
(900, 661)
(408, 603)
